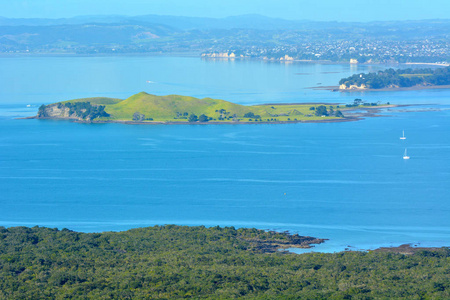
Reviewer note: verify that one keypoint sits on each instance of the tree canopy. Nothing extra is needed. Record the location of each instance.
(321, 110)
(173, 262)
(193, 118)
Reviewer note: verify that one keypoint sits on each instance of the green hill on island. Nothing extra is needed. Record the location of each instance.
(171, 106)
(147, 108)
(96, 100)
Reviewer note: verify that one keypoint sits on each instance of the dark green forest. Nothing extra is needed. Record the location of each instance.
(171, 262)
(399, 78)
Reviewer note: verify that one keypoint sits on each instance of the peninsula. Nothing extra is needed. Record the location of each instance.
(175, 262)
(401, 79)
(143, 108)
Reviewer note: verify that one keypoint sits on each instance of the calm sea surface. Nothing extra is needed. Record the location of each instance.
(343, 181)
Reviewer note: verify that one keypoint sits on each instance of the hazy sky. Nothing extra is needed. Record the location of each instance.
(322, 10)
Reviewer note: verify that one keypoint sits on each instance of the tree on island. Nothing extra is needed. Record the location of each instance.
(331, 110)
(222, 112)
(252, 115)
(321, 111)
(193, 118)
(203, 118)
(357, 102)
(339, 114)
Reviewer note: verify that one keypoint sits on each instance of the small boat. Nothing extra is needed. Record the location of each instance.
(403, 136)
(405, 156)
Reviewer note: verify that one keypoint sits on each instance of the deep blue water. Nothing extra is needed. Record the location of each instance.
(342, 181)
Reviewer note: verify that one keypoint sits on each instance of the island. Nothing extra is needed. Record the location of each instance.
(144, 108)
(391, 79)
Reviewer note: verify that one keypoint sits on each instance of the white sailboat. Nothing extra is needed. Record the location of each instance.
(403, 136)
(405, 156)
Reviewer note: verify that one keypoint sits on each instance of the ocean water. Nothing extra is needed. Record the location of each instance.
(343, 181)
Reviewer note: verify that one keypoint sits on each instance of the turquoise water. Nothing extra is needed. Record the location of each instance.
(343, 181)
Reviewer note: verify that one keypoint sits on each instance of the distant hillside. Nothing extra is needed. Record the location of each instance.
(397, 79)
(248, 36)
(147, 108)
(248, 21)
(63, 36)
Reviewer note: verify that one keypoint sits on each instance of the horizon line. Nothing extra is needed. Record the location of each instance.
(219, 18)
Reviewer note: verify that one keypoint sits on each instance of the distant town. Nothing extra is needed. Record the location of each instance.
(352, 51)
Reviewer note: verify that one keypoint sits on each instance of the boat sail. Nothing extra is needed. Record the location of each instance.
(405, 156)
(403, 136)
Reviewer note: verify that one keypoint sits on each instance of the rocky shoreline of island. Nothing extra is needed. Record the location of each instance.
(371, 112)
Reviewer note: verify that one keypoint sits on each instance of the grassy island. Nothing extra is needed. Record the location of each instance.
(174, 262)
(394, 79)
(145, 108)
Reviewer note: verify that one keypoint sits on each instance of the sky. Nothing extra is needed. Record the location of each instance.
(317, 10)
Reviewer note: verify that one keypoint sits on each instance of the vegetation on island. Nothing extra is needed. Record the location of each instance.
(361, 103)
(173, 262)
(391, 78)
(144, 107)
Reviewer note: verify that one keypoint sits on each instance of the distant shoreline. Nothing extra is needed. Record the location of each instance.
(412, 88)
(198, 55)
(428, 64)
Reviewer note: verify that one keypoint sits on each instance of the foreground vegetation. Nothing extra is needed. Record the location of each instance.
(170, 262)
(398, 78)
(144, 107)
